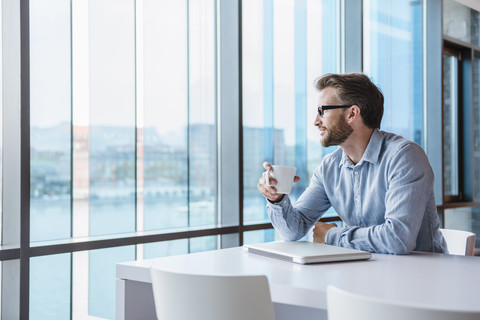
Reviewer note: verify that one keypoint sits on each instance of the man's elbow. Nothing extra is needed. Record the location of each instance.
(399, 239)
(289, 235)
(401, 251)
(290, 238)
(402, 247)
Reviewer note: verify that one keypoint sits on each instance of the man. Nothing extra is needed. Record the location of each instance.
(380, 184)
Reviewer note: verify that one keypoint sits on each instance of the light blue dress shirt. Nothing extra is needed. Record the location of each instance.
(386, 200)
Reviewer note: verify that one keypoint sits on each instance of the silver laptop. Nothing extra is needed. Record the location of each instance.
(305, 252)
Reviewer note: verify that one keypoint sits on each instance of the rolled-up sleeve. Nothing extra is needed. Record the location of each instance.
(293, 222)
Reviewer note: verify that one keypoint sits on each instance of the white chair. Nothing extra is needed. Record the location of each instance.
(459, 242)
(343, 305)
(181, 296)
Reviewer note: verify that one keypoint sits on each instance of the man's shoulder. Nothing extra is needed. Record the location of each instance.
(397, 149)
(403, 156)
(395, 143)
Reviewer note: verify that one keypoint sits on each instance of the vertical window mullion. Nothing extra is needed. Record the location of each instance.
(25, 160)
(228, 110)
(139, 124)
(352, 36)
(432, 85)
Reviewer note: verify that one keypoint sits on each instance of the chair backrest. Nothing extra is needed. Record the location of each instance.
(459, 242)
(203, 297)
(343, 305)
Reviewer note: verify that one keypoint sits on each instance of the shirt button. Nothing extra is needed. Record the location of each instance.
(356, 198)
(356, 173)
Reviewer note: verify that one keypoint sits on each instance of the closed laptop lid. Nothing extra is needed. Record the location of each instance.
(305, 252)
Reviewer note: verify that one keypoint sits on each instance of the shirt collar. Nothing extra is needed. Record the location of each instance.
(371, 154)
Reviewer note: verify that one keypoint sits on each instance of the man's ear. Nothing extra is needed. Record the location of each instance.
(353, 113)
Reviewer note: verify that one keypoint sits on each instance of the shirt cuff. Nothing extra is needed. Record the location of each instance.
(280, 204)
(333, 236)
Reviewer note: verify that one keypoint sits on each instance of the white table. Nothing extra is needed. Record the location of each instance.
(435, 280)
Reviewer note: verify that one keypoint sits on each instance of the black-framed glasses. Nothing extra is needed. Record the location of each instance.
(322, 109)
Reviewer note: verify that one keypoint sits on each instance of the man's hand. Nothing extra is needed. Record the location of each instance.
(270, 192)
(320, 231)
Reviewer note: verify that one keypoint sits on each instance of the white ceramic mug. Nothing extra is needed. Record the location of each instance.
(284, 176)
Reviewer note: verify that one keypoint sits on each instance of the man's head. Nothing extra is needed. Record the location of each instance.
(356, 89)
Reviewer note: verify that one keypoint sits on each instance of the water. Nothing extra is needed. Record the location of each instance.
(51, 288)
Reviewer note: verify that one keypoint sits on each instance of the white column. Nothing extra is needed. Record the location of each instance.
(139, 45)
(80, 154)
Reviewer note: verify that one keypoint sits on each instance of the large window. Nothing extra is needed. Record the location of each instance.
(393, 58)
(476, 124)
(123, 138)
(461, 96)
(461, 102)
(451, 138)
(124, 129)
(286, 45)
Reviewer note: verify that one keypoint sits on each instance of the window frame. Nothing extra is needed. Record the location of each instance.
(466, 53)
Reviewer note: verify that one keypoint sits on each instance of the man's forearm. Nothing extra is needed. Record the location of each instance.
(285, 220)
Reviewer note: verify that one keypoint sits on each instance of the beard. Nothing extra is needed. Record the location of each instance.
(337, 133)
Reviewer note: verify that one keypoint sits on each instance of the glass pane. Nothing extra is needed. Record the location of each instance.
(112, 138)
(165, 248)
(467, 219)
(50, 114)
(178, 130)
(286, 45)
(450, 125)
(461, 22)
(272, 235)
(181, 246)
(393, 58)
(50, 293)
(323, 56)
(202, 94)
(203, 244)
(101, 279)
(260, 236)
(163, 168)
(476, 123)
